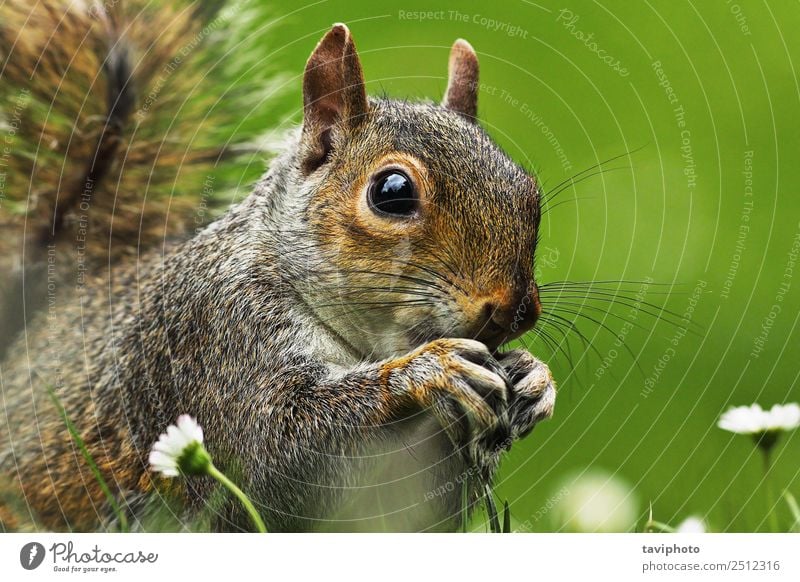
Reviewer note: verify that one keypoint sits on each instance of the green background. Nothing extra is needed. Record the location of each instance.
(731, 67)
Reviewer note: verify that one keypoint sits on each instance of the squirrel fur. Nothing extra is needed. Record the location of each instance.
(344, 362)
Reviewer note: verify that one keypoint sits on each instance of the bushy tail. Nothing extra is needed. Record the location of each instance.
(119, 121)
(121, 124)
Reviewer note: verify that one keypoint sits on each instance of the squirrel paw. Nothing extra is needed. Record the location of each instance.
(533, 393)
(467, 390)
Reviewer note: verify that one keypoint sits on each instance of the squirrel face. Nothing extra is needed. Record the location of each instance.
(422, 227)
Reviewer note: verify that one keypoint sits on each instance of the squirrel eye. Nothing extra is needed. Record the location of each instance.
(393, 193)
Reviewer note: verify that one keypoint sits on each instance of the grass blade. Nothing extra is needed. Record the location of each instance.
(491, 509)
(73, 431)
(795, 509)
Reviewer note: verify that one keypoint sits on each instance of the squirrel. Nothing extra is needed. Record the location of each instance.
(338, 334)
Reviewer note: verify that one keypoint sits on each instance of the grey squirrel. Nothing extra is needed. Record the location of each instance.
(337, 334)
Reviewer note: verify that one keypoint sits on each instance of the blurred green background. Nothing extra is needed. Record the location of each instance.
(707, 98)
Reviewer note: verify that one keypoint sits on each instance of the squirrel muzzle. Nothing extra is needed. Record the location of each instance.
(500, 317)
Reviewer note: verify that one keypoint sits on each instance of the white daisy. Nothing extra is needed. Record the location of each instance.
(754, 420)
(691, 524)
(180, 449)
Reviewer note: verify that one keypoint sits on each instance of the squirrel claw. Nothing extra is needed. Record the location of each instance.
(533, 392)
(467, 390)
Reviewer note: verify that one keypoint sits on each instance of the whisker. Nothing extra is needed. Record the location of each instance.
(454, 270)
(643, 306)
(433, 273)
(572, 365)
(401, 276)
(631, 302)
(550, 208)
(360, 290)
(564, 330)
(554, 194)
(606, 282)
(601, 310)
(598, 165)
(554, 343)
(362, 310)
(612, 333)
(379, 303)
(574, 328)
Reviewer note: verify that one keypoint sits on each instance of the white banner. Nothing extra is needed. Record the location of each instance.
(353, 557)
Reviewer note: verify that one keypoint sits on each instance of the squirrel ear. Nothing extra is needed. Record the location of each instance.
(462, 83)
(333, 90)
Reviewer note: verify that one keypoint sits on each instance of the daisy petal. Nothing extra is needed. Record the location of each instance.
(176, 437)
(190, 428)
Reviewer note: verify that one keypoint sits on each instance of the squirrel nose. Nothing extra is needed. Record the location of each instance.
(503, 317)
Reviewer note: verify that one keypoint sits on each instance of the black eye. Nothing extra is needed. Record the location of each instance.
(393, 193)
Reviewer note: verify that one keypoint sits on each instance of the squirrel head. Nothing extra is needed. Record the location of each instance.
(415, 224)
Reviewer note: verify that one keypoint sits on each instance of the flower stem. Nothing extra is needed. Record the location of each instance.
(773, 518)
(248, 505)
